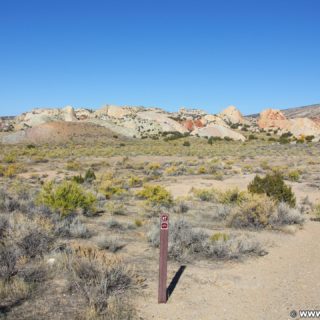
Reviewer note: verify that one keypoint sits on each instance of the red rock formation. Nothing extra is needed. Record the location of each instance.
(271, 118)
(190, 125)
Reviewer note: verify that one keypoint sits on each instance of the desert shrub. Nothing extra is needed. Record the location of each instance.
(309, 138)
(9, 255)
(284, 140)
(205, 194)
(186, 144)
(256, 212)
(36, 243)
(73, 166)
(252, 137)
(114, 224)
(186, 242)
(226, 138)
(66, 197)
(156, 195)
(175, 170)
(111, 187)
(12, 293)
(231, 196)
(273, 186)
(11, 170)
(202, 170)
(135, 181)
(219, 236)
(138, 222)
(34, 273)
(294, 175)
(285, 215)
(4, 227)
(89, 175)
(115, 208)
(180, 206)
(212, 139)
(99, 279)
(70, 227)
(2, 170)
(316, 210)
(111, 244)
(78, 179)
(10, 158)
(233, 246)
(154, 166)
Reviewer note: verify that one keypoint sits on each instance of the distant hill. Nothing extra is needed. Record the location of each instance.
(6, 118)
(311, 111)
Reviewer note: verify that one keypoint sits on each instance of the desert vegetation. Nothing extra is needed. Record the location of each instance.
(79, 229)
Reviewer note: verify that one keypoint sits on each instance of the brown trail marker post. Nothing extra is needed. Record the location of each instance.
(164, 232)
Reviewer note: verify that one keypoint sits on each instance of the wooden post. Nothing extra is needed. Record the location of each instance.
(164, 232)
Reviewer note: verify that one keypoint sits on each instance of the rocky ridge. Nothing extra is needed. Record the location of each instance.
(140, 122)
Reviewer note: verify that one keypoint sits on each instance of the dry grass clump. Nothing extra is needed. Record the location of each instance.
(111, 244)
(103, 281)
(24, 241)
(71, 227)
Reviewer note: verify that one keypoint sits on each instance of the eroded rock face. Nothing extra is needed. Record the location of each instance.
(215, 130)
(213, 119)
(232, 115)
(161, 119)
(43, 115)
(275, 119)
(271, 118)
(302, 127)
(115, 111)
(68, 114)
(190, 125)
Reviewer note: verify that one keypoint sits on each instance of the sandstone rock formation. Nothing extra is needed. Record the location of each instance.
(68, 114)
(43, 115)
(190, 125)
(213, 119)
(271, 118)
(275, 119)
(218, 131)
(232, 115)
(166, 124)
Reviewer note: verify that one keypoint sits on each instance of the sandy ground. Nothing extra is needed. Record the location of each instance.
(264, 288)
(181, 186)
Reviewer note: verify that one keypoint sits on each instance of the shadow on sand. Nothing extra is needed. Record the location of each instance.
(175, 281)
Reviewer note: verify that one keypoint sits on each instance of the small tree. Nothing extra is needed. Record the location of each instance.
(273, 186)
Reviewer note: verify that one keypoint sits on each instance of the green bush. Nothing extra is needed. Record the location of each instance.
(212, 139)
(273, 186)
(186, 144)
(156, 195)
(89, 175)
(232, 196)
(65, 197)
(78, 179)
(294, 175)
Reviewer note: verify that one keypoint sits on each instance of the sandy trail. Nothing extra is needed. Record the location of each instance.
(266, 288)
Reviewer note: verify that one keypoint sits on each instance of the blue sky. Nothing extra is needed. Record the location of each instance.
(197, 54)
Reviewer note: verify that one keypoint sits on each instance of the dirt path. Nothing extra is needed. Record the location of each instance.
(266, 288)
